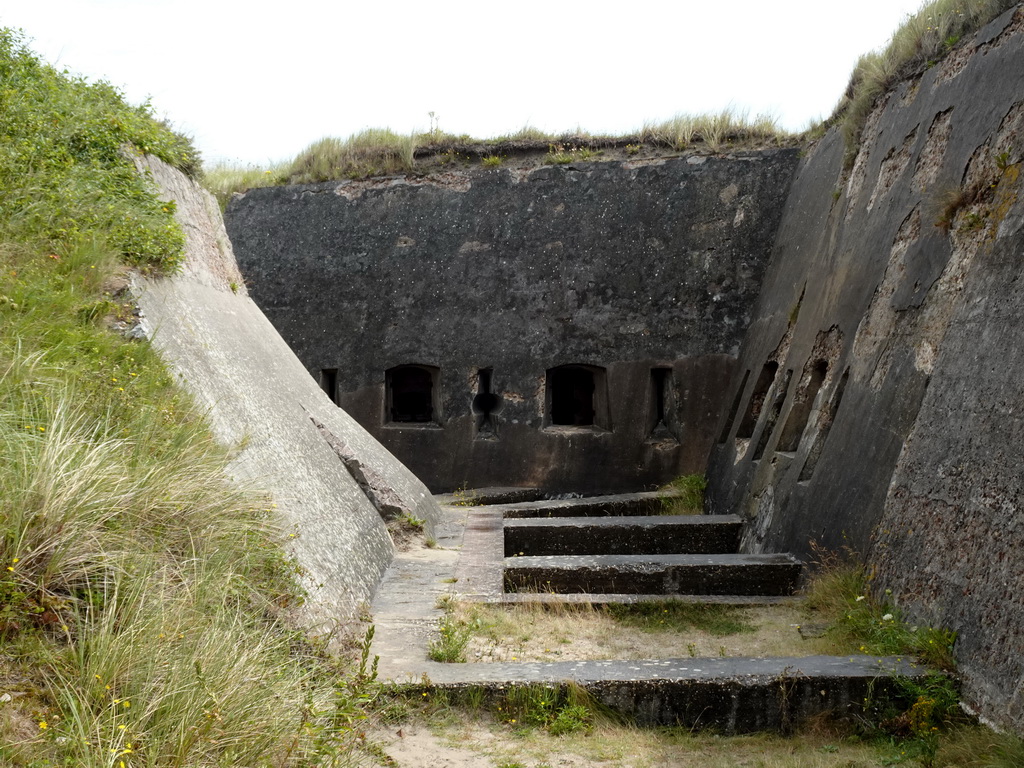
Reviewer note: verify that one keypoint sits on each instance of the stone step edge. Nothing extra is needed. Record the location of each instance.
(592, 598)
(483, 497)
(611, 521)
(732, 696)
(520, 562)
(706, 669)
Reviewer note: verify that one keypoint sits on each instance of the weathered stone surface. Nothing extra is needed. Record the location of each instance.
(623, 266)
(740, 695)
(654, 534)
(483, 496)
(655, 574)
(903, 279)
(643, 503)
(262, 402)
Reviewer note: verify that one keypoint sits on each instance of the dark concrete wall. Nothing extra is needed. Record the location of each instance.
(909, 452)
(625, 266)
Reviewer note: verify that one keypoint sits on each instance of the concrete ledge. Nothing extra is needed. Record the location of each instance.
(607, 598)
(660, 574)
(733, 695)
(645, 503)
(478, 497)
(650, 534)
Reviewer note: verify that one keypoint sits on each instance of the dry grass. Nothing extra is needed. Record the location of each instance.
(224, 179)
(716, 131)
(537, 633)
(382, 152)
(373, 152)
(921, 41)
(447, 736)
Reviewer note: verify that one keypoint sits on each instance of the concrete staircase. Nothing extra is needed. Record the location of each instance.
(613, 545)
(612, 549)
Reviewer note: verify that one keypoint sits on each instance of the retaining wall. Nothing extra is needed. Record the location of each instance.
(878, 402)
(619, 267)
(330, 481)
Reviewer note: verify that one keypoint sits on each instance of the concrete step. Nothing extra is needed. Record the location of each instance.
(654, 574)
(475, 497)
(646, 503)
(731, 695)
(649, 534)
(611, 598)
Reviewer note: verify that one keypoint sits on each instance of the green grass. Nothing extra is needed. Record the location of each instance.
(920, 42)
(144, 598)
(688, 498)
(224, 179)
(861, 621)
(718, 620)
(450, 644)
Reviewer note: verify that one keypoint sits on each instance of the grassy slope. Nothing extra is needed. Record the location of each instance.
(141, 595)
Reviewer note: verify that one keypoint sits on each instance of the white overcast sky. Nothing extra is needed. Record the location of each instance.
(255, 83)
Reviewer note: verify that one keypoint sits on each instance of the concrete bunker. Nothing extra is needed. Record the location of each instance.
(668, 267)
(772, 415)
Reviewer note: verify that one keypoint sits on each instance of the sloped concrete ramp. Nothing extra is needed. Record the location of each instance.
(329, 478)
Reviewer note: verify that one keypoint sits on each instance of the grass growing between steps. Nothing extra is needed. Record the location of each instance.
(688, 498)
(858, 621)
(144, 599)
(470, 728)
(838, 616)
(715, 620)
(656, 630)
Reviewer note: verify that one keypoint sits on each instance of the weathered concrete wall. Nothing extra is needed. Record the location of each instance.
(624, 266)
(878, 400)
(290, 439)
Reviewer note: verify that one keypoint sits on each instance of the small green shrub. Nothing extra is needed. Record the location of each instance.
(464, 497)
(67, 173)
(492, 161)
(450, 644)
(559, 709)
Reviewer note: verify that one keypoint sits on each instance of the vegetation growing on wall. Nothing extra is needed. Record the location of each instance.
(920, 42)
(142, 596)
(382, 152)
